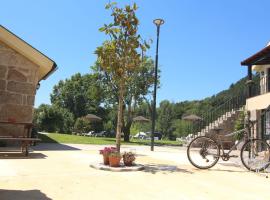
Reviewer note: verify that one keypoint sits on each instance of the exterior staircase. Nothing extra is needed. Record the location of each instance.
(222, 117)
(225, 123)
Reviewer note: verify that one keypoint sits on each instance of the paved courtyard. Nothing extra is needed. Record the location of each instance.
(62, 172)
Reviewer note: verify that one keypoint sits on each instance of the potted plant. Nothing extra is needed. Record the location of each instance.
(106, 152)
(114, 159)
(128, 158)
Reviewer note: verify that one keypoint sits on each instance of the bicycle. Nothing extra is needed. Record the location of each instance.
(203, 152)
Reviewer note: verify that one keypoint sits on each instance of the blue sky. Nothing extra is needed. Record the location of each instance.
(201, 42)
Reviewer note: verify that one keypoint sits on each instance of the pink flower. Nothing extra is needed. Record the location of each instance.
(107, 150)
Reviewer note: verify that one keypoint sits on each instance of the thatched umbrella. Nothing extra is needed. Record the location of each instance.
(192, 118)
(92, 118)
(140, 119)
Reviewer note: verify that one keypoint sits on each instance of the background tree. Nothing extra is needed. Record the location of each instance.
(119, 56)
(80, 94)
(53, 119)
(166, 116)
(180, 128)
(82, 126)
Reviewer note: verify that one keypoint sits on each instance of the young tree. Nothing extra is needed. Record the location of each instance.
(137, 88)
(119, 56)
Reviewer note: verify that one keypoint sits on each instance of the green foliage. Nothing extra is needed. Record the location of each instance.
(119, 59)
(136, 88)
(200, 107)
(140, 127)
(53, 119)
(181, 128)
(239, 125)
(119, 56)
(80, 94)
(166, 116)
(82, 125)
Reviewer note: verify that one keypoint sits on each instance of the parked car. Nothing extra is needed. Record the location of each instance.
(156, 135)
(141, 135)
(101, 134)
(110, 134)
(90, 134)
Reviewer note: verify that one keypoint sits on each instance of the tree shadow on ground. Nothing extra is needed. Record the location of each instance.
(165, 169)
(48, 144)
(229, 170)
(23, 195)
(12, 155)
(143, 142)
(54, 147)
(230, 164)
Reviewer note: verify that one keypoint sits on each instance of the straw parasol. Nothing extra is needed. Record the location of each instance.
(140, 119)
(192, 118)
(92, 118)
(195, 120)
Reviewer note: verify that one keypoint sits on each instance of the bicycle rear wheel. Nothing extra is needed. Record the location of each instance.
(255, 155)
(203, 152)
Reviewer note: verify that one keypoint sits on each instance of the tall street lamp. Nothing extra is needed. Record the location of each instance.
(158, 23)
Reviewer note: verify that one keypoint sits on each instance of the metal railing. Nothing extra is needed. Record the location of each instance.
(256, 89)
(211, 118)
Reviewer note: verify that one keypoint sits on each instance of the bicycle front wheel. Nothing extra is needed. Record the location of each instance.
(203, 152)
(255, 155)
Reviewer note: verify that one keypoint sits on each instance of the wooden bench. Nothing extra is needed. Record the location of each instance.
(25, 139)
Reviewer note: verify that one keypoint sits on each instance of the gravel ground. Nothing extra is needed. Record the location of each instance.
(62, 172)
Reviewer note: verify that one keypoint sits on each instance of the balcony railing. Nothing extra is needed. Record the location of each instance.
(260, 87)
(255, 89)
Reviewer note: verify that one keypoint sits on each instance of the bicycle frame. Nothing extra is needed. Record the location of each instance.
(234, 146)
(248, 135)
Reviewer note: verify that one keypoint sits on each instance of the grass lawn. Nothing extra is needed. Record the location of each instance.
(74, 139)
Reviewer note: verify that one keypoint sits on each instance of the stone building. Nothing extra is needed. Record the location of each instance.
(22, 67)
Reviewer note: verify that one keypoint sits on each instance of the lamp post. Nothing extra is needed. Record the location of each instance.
(158, 23)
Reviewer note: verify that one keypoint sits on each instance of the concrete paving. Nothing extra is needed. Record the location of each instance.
(62, 172)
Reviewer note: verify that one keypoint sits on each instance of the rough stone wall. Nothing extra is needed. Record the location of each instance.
(18, 80)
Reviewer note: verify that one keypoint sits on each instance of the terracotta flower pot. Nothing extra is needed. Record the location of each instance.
(114, 161)
(106, 159)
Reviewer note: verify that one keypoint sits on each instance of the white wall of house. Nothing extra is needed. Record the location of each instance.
(259, 102)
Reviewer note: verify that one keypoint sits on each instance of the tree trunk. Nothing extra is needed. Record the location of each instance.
(119, 117)
(127, 131)
(128, 124)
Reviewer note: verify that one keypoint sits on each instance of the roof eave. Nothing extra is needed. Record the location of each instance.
(30, 52)
(254, 59)
(54, 68)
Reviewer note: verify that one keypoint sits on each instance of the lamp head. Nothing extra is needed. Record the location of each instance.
(158, 22)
